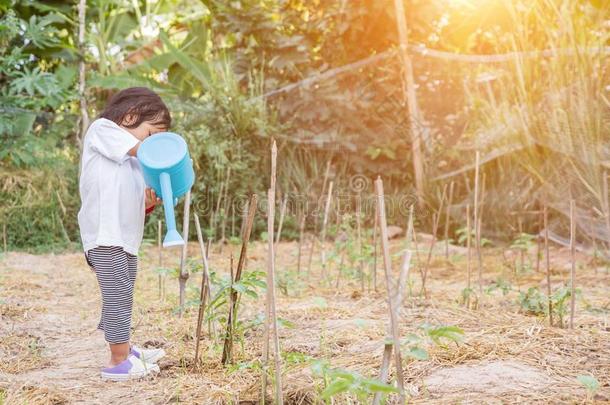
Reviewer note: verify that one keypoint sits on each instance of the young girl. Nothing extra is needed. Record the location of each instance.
(111, 219)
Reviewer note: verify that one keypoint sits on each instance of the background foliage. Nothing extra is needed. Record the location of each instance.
(543, 121)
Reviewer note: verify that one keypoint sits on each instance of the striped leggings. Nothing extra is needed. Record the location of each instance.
(116, 271)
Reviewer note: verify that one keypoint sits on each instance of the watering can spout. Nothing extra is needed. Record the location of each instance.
(172, 237)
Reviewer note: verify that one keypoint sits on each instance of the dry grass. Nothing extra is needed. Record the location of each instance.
(344, 326)
(21, 352)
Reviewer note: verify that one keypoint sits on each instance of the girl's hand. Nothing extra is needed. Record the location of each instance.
(151, 199)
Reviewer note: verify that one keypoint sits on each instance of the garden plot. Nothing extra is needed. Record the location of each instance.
(501, 351)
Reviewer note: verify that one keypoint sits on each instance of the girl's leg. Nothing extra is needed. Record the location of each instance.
(118, 353)
(112, 271)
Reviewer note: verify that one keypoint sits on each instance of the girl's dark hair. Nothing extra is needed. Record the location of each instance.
(140, 102)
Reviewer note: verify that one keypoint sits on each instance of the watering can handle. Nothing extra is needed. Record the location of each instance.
(172, 237)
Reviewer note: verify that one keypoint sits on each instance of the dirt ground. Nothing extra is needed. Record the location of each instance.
(51, 353)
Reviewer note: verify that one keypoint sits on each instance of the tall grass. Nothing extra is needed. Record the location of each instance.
(39, 207)
(554, 110)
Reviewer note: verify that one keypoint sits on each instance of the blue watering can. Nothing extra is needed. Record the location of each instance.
(168, 169)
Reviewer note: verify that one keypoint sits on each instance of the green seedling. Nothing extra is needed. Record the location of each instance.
(500, 284)
(290, 280)
(590, 383)
(534, 302)
(463, 236)
(337, 381)
(523, 243)
(469, 297)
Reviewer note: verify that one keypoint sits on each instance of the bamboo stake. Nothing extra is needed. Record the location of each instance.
(436, 217)
(316, 222)
(205, 285)
(469, 255)
(388, 346)
(225, 200)
(606, 202)
(271, 310)
(301, 236)
(311, 248)
(547, 258)
(538, 244)
(227, 353)
(476, 220)
(375, 247)
(448, 220)
(216, 213)
(387, 260)
(326, 175)
(324, 223)
(159, 248)
(406, 260)
(359, 236)
(184, 275)
(233, 219)
(411, 98)
(573, 264)
(229, 332)
(244, 218)
(4, 238)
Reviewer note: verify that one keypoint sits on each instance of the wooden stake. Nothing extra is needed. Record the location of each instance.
(547, 259)
(271, 317)
(282, 213)
(205, 285)
(216, 213)
(324, 223)
(606, 203)
(160, 249)
(233, 219)
(436, 217)
(406, 260)
(394, 310)
(448, 219)
(223, 238)
(469, 255)
(227, 353)
(184, 275)
(375, 226)
(388, 346)
(326, 175)
(538, 244)
(414, 118)
(316, 222)
(311, 248)
(359, 236)
(244, 219)
(4, 238)
(477, 239)
(573, 263)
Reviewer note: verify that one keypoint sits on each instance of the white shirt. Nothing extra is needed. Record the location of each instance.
(111, 189)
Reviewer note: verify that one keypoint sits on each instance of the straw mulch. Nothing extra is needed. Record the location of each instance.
(51, 353)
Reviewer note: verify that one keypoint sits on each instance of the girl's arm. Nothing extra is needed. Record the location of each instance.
(111, 141)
